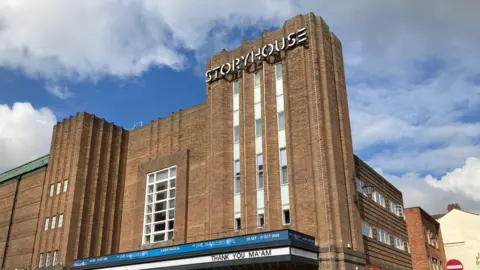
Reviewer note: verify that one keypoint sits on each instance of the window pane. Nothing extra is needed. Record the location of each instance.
(159, 227)
(161, 206)
(172, 183)
(161, 196)
(173, 172)
(235, 87)
(149, 198)
(260, 161)
(52, 190)
(147, 239)
(284, 174)
(236, 136)
(60, 221)
(65, 186)
(171, 224)
(162, 175)
(150, 188)
(283, 157)
(47, 221)
(281, 120)
(260, 180)
(258, 127)
(170, 236)
(171, 214)
(257, 79)
(162, 216)
(159, 237)
(237, 166)
(278, 69)
(161, 186)
(151, 178)
(236, 188)
(172, 193)
(286, 216)
(171, 203)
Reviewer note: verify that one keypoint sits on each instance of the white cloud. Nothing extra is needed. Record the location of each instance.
(59, 91)
(419, 191)
(25, 133)
(463, 181)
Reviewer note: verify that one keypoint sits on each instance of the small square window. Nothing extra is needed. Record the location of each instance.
(286, 216)
(238, 224)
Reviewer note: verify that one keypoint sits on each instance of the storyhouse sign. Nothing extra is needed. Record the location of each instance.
(291, 40)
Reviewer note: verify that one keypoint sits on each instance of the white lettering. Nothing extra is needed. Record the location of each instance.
(293, 39)
(270, 46)
(222, 69)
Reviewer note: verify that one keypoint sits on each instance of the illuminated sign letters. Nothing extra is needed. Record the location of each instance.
(291, 40)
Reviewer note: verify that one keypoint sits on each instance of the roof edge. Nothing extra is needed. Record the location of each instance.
(24, 168)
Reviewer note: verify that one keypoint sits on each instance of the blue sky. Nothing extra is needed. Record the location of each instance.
(413, 75)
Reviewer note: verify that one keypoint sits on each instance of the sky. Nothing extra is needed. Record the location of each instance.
(412, 70)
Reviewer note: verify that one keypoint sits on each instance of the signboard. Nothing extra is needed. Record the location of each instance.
(293, 39)
(454, 264)
(199, 246)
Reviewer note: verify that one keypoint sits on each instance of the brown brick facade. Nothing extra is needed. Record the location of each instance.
(107, 166)
(425, 251)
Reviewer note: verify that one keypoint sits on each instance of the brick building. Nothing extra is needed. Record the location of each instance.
(425, 239)
(261, 174)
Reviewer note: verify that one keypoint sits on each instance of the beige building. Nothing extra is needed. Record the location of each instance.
(461, 236)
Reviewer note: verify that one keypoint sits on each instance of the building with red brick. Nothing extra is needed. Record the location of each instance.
(425, 240)
(262, 174)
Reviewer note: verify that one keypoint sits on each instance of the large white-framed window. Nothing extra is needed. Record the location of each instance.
(367, 229)
(259, 171)
(283, 166)
(47, 221)
(159, 214)
(379, 199)
(383, 236)
(55, 257)
(48, 260)
(41, 261)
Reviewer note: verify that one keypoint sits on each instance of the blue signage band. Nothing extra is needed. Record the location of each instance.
(199, 246)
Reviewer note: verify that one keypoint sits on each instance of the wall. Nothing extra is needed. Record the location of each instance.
(378, 253)
(461, 237)
(89, 153)
(25, 217)
(418, 221)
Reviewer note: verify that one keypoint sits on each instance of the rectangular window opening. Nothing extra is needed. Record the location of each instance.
(278, 71)
(40, 261)
(281, 120)
(47, 261)
(47, 220)
(52, 190)
(261, 220)
(55, 257)
(258, 127)
(238, 224)
(54, 221)
(60, 221)
(235, 87)
(65, 186)
(236, 134)
(59, 187)
(257, 79)
(286, 216)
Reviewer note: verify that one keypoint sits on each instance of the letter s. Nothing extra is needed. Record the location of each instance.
(208, 75)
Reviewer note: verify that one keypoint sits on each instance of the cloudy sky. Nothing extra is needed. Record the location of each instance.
(413, 74)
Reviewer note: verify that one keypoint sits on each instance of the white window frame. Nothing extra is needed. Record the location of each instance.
(379, 199)
(258, 127)
(47, 260)
(367, 229)
(53, 222)
(392, 207)
(278, 71)
(399, 211)
(52, 190)
(167, 204)
(261, 220)
(65, 185)
(41, 262)
(59, 188)
(383, 236)
(399, 243)
(47, 223)
(60, 221)
(236, 135)
(256, 79)
(55, 257)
